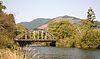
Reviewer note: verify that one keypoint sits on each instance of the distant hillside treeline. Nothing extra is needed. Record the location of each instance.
(35, 23)
(41, 21)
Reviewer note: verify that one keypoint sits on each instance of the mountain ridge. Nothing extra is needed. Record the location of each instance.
(41, 21)
(35, 23)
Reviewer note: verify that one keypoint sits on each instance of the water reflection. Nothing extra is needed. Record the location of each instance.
(60, 53)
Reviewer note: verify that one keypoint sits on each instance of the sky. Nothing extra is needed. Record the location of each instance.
(27, 10)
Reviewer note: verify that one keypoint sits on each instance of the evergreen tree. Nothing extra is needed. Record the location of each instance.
(2, 6)
(90, 14)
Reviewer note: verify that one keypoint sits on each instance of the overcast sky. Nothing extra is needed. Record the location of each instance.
(27, 10)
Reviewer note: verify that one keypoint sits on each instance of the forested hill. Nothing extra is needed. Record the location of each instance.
(35, 23)
(41, 21)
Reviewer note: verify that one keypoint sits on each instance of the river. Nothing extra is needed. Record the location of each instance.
(60, 53)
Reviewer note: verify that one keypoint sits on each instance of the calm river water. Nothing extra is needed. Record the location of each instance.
(61, 53)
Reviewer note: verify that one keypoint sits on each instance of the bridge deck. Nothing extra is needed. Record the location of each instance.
(34, 40)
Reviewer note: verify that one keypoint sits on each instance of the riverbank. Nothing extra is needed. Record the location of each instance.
(10, 54)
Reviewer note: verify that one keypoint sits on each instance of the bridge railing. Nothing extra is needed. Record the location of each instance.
(35, 34)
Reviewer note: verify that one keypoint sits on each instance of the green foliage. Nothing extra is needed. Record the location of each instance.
(85, 23)
(5, 40)
(63, 31)
(2, 6)
(7, 30)
(84, 35)
(90, 14)
(90, 35)
(60, 28)
(91, 39)
(20, 29)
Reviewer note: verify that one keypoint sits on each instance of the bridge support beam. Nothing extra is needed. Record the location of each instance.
(23, 43)
(53, 43)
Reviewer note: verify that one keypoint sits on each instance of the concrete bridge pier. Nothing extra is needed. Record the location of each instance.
(23, 43)
(53, 43)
